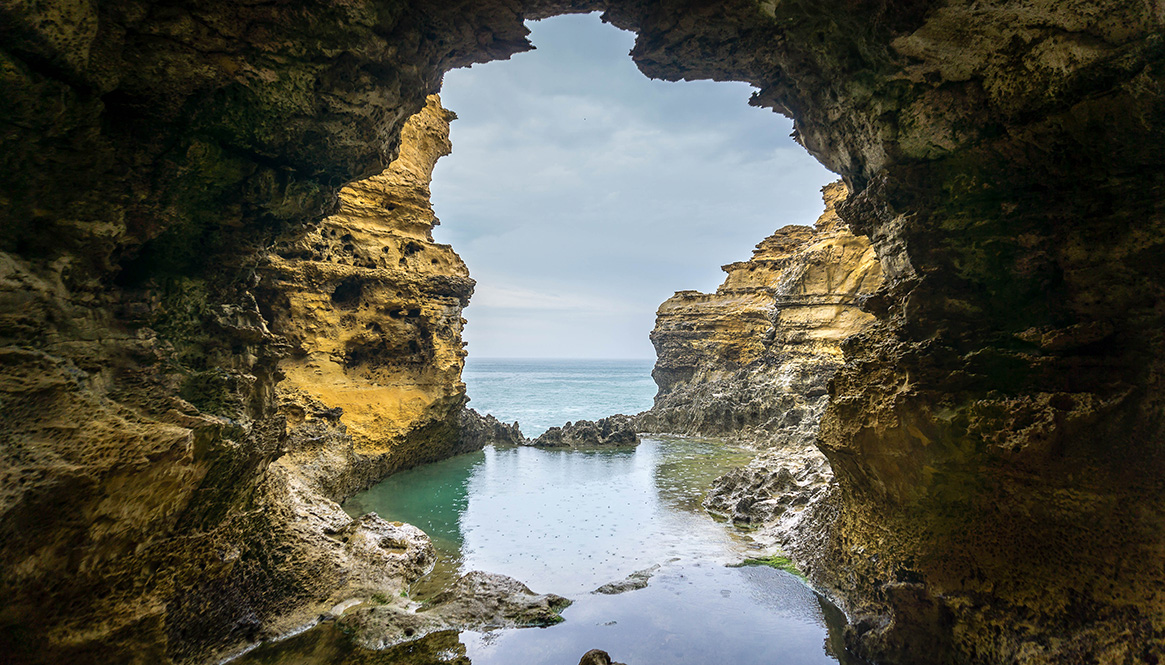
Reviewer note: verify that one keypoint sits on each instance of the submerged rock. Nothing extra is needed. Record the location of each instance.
(636, 580)
(617, 430)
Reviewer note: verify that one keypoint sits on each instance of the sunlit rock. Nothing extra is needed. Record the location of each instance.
(752, 361)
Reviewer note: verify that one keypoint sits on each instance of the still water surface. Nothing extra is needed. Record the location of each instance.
(567, 522)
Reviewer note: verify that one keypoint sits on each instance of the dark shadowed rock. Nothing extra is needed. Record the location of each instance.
(617, 430)
(597, 657)
(479, 430)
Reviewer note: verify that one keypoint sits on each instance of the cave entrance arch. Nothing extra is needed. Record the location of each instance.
(581, 194)
(996, 437)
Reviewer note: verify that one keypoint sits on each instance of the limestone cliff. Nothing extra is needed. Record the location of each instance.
(752, 361)
(371, 307)
(996, 435)
(219, 487)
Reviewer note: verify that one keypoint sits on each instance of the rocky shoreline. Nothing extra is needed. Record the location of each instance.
(187, 297)
(617, 430)
(751, 363)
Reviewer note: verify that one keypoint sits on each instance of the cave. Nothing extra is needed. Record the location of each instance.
(996, 435)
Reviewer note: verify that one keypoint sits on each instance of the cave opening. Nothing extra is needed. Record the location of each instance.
(996, 437)
(581, 193)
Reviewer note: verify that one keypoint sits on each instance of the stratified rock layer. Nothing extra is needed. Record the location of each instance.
(996, 436)
(752, 361)
(371, 308)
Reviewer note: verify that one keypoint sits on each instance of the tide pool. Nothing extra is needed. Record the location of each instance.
(570, 521)
(567, 522)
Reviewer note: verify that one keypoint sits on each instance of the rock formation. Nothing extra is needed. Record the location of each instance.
(475, 601)
(391, 629)
(753, 360)
(618, 430)
(210, 541)
(371, 309)
(778, 483)
(597, 657)
(478, 431)
(636, 580)
(996, 435)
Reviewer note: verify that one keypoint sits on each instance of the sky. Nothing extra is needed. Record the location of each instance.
(582, 194)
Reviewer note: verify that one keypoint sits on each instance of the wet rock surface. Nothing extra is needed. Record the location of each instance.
(597, 657)
(618, 430)
(476, 601)
(478, 431)
(636, 580)
(777, 483)
(995, 436)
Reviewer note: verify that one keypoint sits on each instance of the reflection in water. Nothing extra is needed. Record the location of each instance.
(567, 522)
(328, 645)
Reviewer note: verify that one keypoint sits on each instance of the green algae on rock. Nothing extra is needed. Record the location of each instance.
(778, 561)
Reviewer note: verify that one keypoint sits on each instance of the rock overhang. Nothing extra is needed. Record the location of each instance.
(1006, 162)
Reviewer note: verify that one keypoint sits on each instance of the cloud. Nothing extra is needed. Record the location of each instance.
(489, 295)
(576, 184)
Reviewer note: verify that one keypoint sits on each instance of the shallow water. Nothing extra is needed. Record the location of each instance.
(567, 522)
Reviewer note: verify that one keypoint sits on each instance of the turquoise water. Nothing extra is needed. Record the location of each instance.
(567, 522)
(540, 393)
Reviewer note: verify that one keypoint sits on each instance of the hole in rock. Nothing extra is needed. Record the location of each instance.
(582, 194)
(347, 293)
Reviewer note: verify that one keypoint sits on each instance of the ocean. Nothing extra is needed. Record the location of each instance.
(543, 393)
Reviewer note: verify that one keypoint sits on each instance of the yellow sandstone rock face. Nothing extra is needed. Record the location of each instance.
(752, 360)
(996, 435)
(371, 306)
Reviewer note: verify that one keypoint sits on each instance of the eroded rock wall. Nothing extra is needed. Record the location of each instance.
(371, 308)
(170, 500)
(151, 153)
(752, 361)
(996, 436)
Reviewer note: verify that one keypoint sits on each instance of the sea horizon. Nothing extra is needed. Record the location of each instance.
(540, 393)
(544, 358)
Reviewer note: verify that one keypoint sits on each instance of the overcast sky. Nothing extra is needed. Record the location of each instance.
(582, 194)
